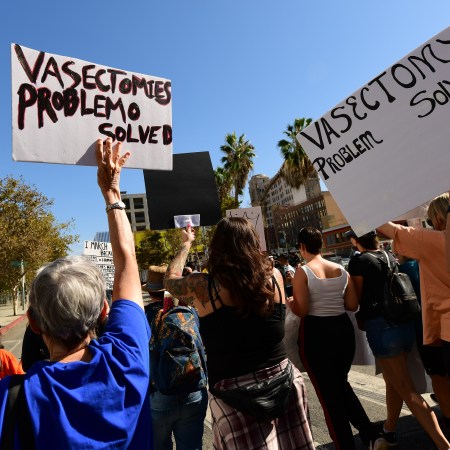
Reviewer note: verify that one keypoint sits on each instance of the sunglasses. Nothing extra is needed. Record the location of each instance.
(429, 222)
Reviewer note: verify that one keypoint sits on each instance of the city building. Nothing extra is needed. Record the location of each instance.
(137, 211)
(257, 186)
(280, 197)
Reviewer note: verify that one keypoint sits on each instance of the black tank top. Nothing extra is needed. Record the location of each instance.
(238, 345)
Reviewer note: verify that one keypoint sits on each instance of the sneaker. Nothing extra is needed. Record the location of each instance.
(390, 437)
(379, 444)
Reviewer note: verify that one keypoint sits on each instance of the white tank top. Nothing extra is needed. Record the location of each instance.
(326, 295)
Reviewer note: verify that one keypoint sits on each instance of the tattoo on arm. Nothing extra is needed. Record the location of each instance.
(190, 288)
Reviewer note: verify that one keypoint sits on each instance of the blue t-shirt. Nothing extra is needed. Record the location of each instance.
(100, 404)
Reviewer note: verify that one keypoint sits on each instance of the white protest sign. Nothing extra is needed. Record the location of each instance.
(184, 220)
(101, 254)
(253, 215)
(386, 149)
(61, 105)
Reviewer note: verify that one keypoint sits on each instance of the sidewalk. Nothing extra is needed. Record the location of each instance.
(7, 318)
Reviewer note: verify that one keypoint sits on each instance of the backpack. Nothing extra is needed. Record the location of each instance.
(177, 355)
(400, 303)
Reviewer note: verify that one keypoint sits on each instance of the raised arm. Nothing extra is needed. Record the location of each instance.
(388, 229)
(193, 288)
(127, 283)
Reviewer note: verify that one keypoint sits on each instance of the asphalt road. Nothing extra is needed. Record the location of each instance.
(368, 387)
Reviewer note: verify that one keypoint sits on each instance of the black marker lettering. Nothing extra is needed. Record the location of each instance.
(167, 134)
(394, 70)
(319, 144)
(75, 76)
(152, 137)
(27, 97)
(334, 115)
(102, 87)
(86, 76)
(44, 105)
(367, 105)
(129, 135)
(377, 80)
(52, 68)
(32, 74)
(354, 104)
(103, 130)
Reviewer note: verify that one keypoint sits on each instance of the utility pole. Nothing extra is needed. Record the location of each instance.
(22, 276)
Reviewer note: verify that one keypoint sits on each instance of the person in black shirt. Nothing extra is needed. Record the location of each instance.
(390, 343)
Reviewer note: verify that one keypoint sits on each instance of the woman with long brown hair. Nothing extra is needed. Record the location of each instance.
(241, 306)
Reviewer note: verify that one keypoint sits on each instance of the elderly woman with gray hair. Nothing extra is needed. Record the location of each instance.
(91, 393)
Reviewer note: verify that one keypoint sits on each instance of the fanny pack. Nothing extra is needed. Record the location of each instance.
(265, 400)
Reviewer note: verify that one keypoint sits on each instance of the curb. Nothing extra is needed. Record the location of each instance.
(6, 328)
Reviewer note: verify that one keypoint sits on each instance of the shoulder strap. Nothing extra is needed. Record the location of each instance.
(216, 292)
(17, 413)
(387, 259)
(280, 303)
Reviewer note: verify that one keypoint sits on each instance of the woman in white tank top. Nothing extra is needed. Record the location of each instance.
(323, 291)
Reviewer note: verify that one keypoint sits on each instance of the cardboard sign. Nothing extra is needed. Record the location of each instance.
(254, 215)
(101, 254)
(384, 150)
(190, 188)
(61, 105)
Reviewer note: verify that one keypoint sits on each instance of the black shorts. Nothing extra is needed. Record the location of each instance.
(432, 358)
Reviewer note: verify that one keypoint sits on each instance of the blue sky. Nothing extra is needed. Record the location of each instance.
(246, 66)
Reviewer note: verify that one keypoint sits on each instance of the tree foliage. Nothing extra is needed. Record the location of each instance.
(151, 250)
(296, 167)
(224, 187)
(238, 161)
(29, 231)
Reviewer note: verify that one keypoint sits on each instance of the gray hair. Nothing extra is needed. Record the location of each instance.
(66, 299)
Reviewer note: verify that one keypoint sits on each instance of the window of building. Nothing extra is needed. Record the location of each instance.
(139, 217)
(127, 203)
(138, 203)
(140, 227)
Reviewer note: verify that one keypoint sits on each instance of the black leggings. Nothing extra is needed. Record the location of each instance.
(327, 348)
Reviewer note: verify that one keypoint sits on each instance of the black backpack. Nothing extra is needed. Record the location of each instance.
(400, 303)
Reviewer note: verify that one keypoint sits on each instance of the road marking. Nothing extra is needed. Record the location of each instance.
(12, 347)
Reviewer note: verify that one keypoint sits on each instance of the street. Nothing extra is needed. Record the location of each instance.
(369, 388)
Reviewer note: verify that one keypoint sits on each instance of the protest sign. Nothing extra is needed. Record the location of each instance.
(384, 150)
(61, 105)
(189, 189)
(254, 215)
(188, 219)
(101, 254)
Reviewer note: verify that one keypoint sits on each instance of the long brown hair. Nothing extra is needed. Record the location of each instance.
(237, 263)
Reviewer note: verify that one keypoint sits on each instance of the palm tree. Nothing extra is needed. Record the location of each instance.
(296, 167)
(223, 183)
(238, 161)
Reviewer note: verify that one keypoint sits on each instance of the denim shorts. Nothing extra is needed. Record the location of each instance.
(387, 340)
